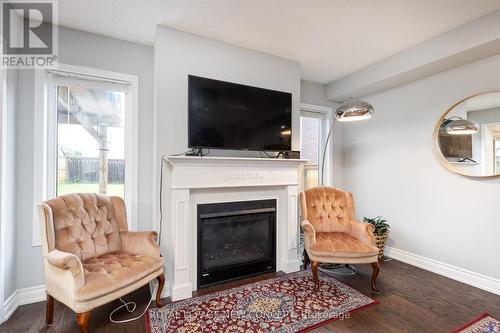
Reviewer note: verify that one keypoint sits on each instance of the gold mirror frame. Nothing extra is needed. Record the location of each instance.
(437, 151)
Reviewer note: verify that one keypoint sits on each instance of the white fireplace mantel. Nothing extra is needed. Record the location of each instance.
(193, 180)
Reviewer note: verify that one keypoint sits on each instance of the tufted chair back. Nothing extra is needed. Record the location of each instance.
(85, 224)
(328, 209)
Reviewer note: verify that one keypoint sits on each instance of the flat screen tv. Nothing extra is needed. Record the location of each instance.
(224, 115)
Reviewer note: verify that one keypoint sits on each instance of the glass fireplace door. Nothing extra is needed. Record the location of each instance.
(235, 239)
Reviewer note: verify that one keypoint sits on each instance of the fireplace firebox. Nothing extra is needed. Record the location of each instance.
(235, 240)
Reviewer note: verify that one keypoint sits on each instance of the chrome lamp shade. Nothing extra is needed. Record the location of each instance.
(354, 110)
(461, 127)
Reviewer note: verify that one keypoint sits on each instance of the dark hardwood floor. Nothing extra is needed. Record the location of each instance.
(411, 300)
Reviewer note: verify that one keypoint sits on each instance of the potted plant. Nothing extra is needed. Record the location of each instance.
(380, 232)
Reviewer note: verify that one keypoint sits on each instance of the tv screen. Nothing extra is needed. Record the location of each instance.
(224, 115)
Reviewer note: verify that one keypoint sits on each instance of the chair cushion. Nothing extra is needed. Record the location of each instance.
(113, 271)
(339, 244)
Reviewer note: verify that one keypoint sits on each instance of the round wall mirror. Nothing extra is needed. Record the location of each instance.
(467, 136)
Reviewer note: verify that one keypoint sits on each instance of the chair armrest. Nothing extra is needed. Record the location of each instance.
(68, 262)
(140, 243)
(309, 231)
(363, 231)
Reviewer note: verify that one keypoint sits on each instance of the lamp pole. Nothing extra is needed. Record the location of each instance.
(324, 152)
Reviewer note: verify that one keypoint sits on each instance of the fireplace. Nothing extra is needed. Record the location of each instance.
(235, 240)
(193, 181)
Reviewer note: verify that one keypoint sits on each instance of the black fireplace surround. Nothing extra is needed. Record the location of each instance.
(235, 240)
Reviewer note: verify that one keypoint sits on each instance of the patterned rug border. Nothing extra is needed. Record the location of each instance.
(258, 283)
(472, 322)
(331, 320)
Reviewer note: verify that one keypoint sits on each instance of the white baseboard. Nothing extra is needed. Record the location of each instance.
(290, 266)
(10, 305)
(22, 297)
(182, 291)
(453, 272)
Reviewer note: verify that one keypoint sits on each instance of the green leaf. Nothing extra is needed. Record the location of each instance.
(379, 223)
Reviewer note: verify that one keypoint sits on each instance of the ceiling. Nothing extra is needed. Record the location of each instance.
(330, 38)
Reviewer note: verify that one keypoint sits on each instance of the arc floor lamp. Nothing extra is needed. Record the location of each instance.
(351, 110)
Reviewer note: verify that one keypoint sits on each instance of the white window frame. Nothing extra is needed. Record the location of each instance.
(325, 114)
(45, 150)
(488, 160)
(3, 192)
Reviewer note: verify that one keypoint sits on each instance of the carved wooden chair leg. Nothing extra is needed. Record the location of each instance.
(82, 319)
(49, 311)
(314, 268)
(161, 283)
(306, 259)
(376, 269)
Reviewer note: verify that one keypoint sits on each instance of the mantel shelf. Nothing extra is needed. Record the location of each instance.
(216, 172)
(174, 160)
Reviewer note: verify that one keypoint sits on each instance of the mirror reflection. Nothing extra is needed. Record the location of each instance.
(469, 136)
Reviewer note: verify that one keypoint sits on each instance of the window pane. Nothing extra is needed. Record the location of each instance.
(310, 129)
(90, 139)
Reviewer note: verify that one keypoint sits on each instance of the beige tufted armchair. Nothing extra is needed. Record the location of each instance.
(332, 234)
(90, 257)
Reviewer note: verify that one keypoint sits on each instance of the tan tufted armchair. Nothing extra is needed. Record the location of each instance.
(90, 257)
(332, 234)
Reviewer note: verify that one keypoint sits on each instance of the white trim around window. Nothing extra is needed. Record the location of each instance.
(45, 151)
(3, 187)
(325, 113)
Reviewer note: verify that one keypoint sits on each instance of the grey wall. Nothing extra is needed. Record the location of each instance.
(485, 116)
(390, 167)
(99, 52)
(29, 259)
(313, 93)
(10, 222)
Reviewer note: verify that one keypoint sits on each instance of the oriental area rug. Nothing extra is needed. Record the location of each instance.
(484, 323)
(281, 305)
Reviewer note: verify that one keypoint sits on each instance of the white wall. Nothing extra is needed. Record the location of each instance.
(390, 167)
(99, 52)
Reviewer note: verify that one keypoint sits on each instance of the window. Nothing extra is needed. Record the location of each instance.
(310, 149)
(313, 130)
(90, 138)
(85, 135)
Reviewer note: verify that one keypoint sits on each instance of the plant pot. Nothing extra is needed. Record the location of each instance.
(380, 243)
